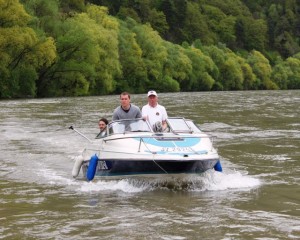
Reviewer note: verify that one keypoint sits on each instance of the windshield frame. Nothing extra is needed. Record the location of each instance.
(128, 126)
(182, 125)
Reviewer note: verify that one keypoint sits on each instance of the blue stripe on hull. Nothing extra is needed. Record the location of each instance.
(173, 142)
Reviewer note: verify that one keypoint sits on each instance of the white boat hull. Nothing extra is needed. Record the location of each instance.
(147, 153)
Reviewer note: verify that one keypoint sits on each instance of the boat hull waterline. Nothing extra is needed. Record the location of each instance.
(117, 168)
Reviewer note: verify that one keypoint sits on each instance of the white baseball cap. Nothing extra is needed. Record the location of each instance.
(152, 92)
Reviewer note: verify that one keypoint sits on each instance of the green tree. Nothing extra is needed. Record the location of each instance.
(154, 54)
(254, 34)
(158, 21)
(109, 67)
(175, 12)
(169, 84)
(88, 56)
(178, 66)
(134, 72)
(196, 27)
(249, 78)
(221, 25)
(248, 75)
(22, 52)
(13, 14)
(262, 69)
(73, 5)
(232, 75)
(280, 75)
(283, 19)
(46, 15)
(293, 63)
(200, 78)
(286, 44)
(125, 13)
(286, 74)
(231, 7)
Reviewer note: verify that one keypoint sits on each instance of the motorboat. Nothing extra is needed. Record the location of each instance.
(131, 147)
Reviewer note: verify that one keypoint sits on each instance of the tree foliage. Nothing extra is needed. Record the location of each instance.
(286, 74)
(262, 69)
(76, 47)
(134, 72)
(22, 52)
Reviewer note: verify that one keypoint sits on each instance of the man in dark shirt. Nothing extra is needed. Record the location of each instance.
(126, 110)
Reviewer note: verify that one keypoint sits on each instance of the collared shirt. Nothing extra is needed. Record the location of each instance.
(154, 114)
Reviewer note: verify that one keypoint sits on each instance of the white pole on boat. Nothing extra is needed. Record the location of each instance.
(81, 134)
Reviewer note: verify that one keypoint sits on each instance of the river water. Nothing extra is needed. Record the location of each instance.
(256, 197)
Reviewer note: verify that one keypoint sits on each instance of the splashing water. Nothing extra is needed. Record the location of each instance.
(209, 181)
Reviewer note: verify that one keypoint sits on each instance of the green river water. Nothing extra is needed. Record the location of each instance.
(256, 197)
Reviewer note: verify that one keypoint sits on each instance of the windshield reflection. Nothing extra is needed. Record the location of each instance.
(128, 125)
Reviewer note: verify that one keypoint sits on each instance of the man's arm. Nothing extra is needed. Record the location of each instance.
(138, 112)
(165, 116)
(115, 115)
(164, 125)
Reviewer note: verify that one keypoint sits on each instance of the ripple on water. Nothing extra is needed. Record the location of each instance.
(257, 134)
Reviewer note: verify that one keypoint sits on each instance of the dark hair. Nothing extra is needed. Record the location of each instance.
(125, 93)
(104, 120)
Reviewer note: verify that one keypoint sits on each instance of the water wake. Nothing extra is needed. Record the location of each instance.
(209, 181)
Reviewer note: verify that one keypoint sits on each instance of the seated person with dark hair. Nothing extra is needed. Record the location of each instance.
(102, 126)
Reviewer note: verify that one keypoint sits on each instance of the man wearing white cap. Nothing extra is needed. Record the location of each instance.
(153, 112)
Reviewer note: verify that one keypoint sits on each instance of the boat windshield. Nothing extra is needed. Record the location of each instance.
(181, 125)
(128, 125)
(193, 126)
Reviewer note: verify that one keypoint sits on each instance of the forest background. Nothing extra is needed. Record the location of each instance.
(53, 48)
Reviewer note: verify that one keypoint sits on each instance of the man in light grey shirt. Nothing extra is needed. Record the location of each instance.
(126, 110)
